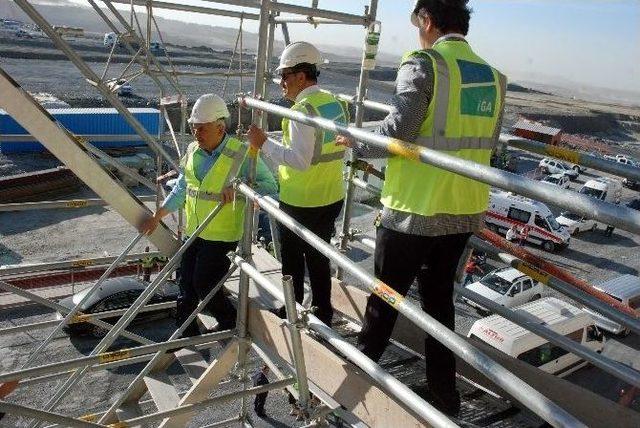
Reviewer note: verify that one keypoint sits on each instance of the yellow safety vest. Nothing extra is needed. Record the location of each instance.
(463, 120)
(203, 196)
(320, 184)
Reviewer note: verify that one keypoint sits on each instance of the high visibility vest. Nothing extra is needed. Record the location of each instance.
(320, 184)
(463, 120)
(203, 196)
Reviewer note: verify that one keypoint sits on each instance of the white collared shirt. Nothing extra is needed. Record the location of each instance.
(303, 139)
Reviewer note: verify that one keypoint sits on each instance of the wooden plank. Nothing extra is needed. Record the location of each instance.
(587, 406)
(192, 363)
(205, 384)
(338, 378)
(162, 391)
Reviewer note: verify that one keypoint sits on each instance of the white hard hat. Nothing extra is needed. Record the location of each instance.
(298, 53)
(208, 108)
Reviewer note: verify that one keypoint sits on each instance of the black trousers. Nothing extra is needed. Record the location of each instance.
(295, 252)
(203, 265)
(400, 259)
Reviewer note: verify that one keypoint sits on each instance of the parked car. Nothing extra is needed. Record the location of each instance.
(117, 293)
(629, 183)
(575, 223)
(121, 87)
(553, 166)
(635, 204)
(518, 342)
(24, 34)
(560, 180)
(624, 288)
(507, 286)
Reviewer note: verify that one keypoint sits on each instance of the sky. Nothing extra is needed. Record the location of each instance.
(589, 42)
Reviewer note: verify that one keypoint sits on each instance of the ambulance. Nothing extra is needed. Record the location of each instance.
(507, 209)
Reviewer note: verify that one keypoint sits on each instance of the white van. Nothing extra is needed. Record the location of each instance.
(603, 188)
(520, 343)
(624, 288)
(506, 209)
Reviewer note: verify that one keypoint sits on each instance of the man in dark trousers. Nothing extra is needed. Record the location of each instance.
(448, 99)
(260, 378)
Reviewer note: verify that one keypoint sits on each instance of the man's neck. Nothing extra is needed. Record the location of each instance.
(210, 150)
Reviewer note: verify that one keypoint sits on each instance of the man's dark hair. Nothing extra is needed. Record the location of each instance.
(449, 16)
(310, 71)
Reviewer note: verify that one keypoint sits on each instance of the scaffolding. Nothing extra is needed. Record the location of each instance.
(344, 379)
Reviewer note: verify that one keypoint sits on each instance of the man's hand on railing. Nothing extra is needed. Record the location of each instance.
(341, 140)
(256, 137)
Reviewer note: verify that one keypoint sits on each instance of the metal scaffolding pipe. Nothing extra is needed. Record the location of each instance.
(506, 380)
(69, 203)
(189, 408)
(189, 8)
(572, 156)
(562, 153)
(63, 310)
(424, 409)
(524, 319)
(30, 412)
(629, 321)
(84, 318)
(108, 357)
(622, 217)
(8, 270)
(313, 21)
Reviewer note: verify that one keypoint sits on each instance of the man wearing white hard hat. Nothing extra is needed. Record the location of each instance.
(449, 99)
(207, 168)
(310, 172)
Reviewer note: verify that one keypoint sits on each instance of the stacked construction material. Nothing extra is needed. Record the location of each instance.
(103, 127)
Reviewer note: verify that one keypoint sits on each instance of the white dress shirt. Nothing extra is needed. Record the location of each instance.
(303, 139)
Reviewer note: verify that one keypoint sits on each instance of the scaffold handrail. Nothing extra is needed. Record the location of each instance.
(622, 217)
(528, 396)
(562, 153)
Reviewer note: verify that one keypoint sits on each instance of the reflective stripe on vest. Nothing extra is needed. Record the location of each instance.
(321, 184)
(463, 118)
(202, 196)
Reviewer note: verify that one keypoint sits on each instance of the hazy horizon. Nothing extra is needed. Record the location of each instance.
(584, 42)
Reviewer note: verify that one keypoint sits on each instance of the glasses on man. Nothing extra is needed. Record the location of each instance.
(286, 74)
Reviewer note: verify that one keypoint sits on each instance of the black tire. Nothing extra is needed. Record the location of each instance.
(535, 297)
(624, 333)
(576, 231)
(492, 227)
(549, 246)
(594, 227)
(576, 168)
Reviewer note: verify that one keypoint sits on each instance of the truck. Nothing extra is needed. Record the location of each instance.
(518, 342)
(507, 209)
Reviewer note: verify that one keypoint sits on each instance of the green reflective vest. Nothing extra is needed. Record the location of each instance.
(320, 184)
(203, 196)
(463, 120)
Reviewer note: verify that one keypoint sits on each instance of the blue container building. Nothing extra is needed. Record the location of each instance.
(103, 127)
